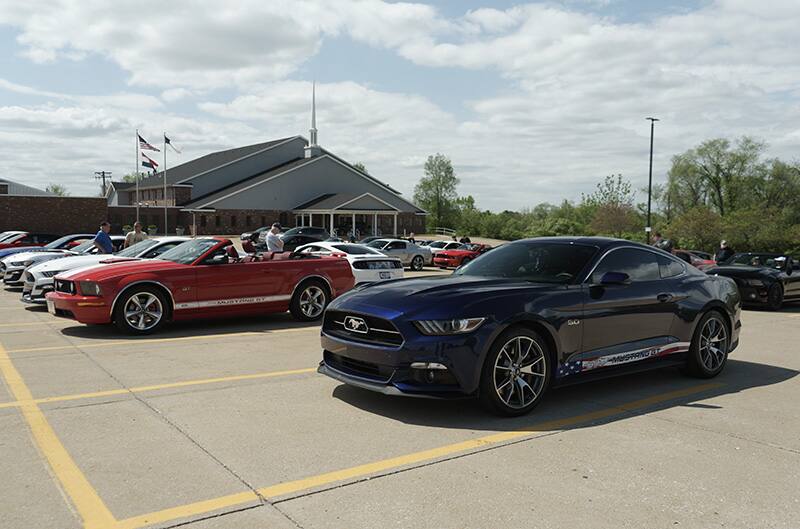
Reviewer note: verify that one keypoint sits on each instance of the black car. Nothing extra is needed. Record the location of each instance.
(766, 279)
(529, 315)
(253, 235)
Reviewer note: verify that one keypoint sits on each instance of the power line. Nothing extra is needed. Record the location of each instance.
(102, 175)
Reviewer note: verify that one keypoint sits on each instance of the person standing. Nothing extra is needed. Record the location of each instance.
(724, 253)
(102, 241)
(137, 235)
(274, 242)
(662, 243)
(411, 238)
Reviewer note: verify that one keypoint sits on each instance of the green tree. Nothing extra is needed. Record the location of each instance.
(436, 192)
(131, 177)
(57, 189)
(360, 166)
(699, 228)
(613, 211)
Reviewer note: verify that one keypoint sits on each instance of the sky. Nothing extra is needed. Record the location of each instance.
(533, 102)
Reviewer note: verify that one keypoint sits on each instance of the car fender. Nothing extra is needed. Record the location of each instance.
(128, 282)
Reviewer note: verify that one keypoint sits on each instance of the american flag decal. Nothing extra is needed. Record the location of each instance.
(569, 368)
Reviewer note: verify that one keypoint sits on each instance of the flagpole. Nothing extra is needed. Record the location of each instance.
(136, 175)
(164, 175)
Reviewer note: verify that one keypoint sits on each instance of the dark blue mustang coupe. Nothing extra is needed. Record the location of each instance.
(530, 315)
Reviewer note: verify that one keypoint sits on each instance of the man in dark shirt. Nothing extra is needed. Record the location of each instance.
(724, 253)
(102, 241)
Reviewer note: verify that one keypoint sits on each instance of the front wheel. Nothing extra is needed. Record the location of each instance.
(710, 344)
(141, 310)
(775, 297)
(516, 373)
(417, 263)
(309, 301)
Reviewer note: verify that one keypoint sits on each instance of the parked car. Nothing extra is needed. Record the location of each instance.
(529, 315)
(439, 246)
(368, 264)
(8, 234)
(411, 255)
(425, 242)
(459, 256)
(63, 243)
(367, 240)
(25, 239)
(766, 279)
(39, 277)
(254, 235)
(294, 241)
(203, 278)
(703, 255)
(691, 258)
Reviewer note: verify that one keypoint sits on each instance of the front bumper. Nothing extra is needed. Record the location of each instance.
(85, 309)
(13, 277)
(35, 291)
(753, 295)
(447, 262)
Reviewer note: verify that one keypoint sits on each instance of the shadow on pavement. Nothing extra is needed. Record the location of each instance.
(179, 329)
(570, 401)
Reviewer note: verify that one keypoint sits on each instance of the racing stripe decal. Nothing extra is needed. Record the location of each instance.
(231, 301)
(625, 357)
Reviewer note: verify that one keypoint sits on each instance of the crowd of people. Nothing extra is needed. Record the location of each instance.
(723, 253)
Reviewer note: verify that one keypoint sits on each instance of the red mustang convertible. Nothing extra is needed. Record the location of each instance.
(459, 256)
(202, 278)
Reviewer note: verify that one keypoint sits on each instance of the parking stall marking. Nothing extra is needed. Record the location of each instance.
(361, 471)
(87, 502)
(156, 387)
(26, 324)
(134, 341)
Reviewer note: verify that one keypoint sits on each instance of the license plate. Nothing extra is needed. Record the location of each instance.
(385, 275)
(51, 307)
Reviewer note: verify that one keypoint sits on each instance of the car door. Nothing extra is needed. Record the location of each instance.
(232, 287)
(398, 249)
(623, 323)
(791, 278)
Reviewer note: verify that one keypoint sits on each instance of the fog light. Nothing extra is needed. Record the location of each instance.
(427, 365)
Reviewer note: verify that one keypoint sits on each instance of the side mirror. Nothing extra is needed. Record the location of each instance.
(615, 278)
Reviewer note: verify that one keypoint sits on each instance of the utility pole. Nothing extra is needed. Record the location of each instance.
(102, 175)
(649, 228)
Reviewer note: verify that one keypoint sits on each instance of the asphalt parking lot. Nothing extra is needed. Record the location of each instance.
(226, 424)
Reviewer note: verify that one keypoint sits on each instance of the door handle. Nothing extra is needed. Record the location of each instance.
(663, 298)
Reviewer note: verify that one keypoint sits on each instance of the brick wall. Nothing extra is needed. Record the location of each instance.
(56, 215)
(232, 221)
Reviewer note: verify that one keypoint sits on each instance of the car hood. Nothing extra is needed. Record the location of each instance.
(445, 293)
(112, 268)
(24, 256)
(69, 262)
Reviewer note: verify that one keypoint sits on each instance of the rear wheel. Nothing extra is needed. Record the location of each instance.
(710, 344)
(141, 310)
(309, 301)
(516, 373)
(775, 297)
(417, 263)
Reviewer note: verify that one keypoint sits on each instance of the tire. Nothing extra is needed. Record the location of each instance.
(775, 297)
(417, 263)
(710, 345)
(141, 310)
(310, 300)
(516, 373)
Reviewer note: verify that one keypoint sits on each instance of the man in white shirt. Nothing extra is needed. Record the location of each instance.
(137, 235)
(274, 242)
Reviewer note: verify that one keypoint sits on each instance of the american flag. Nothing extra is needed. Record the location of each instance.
(146, 146)
(149, 162)
(569, 368)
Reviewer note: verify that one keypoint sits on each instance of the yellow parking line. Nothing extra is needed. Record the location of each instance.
(28, 324)
(87, 502)
(133, 341)
(156, 387)
(305, 484)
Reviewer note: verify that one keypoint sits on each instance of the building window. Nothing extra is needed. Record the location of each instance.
(248, 220)
(233, 220)
(284, 218)
(263, 220)
(217, 220)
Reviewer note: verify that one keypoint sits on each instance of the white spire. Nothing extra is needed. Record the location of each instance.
(313, 131)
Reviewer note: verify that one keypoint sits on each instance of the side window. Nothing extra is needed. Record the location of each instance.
(397, 246)
(669, 267)
(640, 265)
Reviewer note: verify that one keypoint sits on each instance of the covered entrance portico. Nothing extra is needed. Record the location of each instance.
(342, 214)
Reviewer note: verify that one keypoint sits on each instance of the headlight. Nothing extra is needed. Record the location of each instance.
(755, 282)
(90, 288)
(18, 263)
(445, 327)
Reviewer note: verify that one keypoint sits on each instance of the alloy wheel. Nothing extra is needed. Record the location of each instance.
(143, 311)
(312, 301)
(519, 372)
(417, 263)
(713, 343)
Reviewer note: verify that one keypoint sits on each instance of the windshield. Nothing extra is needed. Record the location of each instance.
(189, 251)
(58, 242)
(7, 235)
(355, 249)
(540, 262)
(379, 243)
(437, 244)
(83, 247)
(135, 249)
(469, 247)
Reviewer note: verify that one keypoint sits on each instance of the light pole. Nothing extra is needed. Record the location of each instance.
(648, 229)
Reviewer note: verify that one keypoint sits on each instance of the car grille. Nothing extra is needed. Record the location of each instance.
(67, 287)
(50, 273)
(377, 265)
(379, 331)
(360, 368)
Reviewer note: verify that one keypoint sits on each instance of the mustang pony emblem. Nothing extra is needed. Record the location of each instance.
(355, 324)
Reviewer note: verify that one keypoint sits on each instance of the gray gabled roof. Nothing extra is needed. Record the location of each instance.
(332, 201)
(15, 188)
(177, 174)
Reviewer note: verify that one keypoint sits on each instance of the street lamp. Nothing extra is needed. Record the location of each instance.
(649, 228)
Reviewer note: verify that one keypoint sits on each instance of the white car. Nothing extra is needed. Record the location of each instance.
(13, 266)
(39, 278)
(368, 265)
(410, 254)
(440, 246)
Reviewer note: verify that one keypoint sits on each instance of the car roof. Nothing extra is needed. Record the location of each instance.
(600, 242)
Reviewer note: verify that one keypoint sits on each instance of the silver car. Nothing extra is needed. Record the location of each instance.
(409, 254)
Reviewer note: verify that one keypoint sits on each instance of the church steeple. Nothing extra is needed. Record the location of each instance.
(313, 149)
